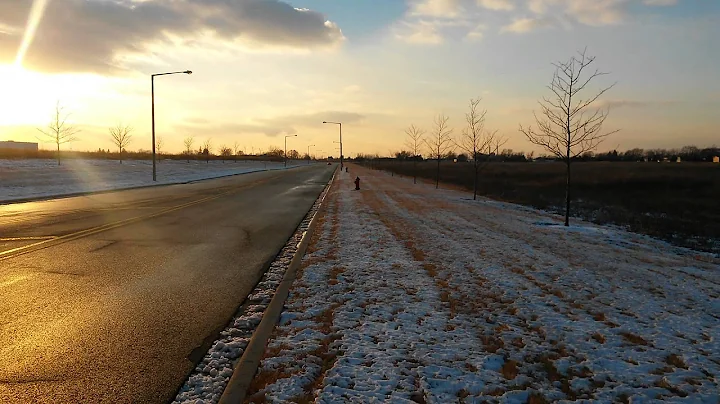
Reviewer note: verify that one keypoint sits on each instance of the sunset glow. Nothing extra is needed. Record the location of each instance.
(376, 68)
(36, 14)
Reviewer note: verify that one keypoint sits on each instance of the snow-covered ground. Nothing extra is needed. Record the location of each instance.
(409, 294)
(21, 179)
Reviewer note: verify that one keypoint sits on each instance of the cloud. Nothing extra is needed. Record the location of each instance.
(428, 22)
(476, 34)
(420, 32)
(620, 103)
(271, 127)
(523, 25)
(660, 2)
(505, 5)
(436, 8)
(92, 36)
(587, 12)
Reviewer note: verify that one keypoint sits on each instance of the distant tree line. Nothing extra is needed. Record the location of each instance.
(685, 154)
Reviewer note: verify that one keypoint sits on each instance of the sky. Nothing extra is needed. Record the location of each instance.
(264, 69)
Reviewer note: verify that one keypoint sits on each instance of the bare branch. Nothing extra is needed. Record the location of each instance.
(415, 140)
(121, 137)
(440, 142)
(188, 143)
(567, 127)
(58, 130)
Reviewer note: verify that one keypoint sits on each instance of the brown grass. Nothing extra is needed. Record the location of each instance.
(491, 343)
(633, 338)
(537, 398)
(418, 397)
(619, 193)
(334, 272)
(599, 338)
(667, 386)
(431, 269)
(662, 370)
(518, 342)
(496, 392)
(509, 369)
(261, 380)
(676, 360)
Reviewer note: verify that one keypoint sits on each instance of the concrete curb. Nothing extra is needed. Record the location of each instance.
(106, 191)
(248, 364)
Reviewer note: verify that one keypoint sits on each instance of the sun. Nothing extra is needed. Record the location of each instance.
(20, 96)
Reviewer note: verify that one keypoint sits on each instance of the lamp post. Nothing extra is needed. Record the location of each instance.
(308, 153)
(287, 136)
(341, 153)
(152, 94)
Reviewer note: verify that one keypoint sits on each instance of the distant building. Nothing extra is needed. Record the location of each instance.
(12, 145)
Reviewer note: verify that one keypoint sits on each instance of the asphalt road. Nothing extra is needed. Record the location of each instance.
(110, 297)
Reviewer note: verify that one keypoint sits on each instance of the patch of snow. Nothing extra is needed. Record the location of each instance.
(410, 293)
(35, 178)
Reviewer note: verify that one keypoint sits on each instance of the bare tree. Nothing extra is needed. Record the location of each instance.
(207, 149)
(121, 138)
(58, 130)
(570, 124)
(293, 154)
(440, 142)
(475, 139)
(497, 143)
(237, 151)
(188, 142)
(414, 144)
(225, 152)
(159, 143)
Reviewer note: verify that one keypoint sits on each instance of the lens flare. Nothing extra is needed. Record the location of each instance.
(36, 14)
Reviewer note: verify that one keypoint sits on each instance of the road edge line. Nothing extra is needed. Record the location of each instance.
(245, 369)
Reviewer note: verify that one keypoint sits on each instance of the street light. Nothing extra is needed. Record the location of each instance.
(341, 153)
(152, 91)
(287, 136)
(308, 153)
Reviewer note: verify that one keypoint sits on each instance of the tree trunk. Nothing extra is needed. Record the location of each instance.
(120, 155)
(58, 153)
(414, 171)
(475, 181)
(567, 194)
(437, 175)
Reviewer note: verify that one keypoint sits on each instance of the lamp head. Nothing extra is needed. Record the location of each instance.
(188, 72)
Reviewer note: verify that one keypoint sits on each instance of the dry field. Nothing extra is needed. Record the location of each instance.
(674, 202)
(409, 294)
